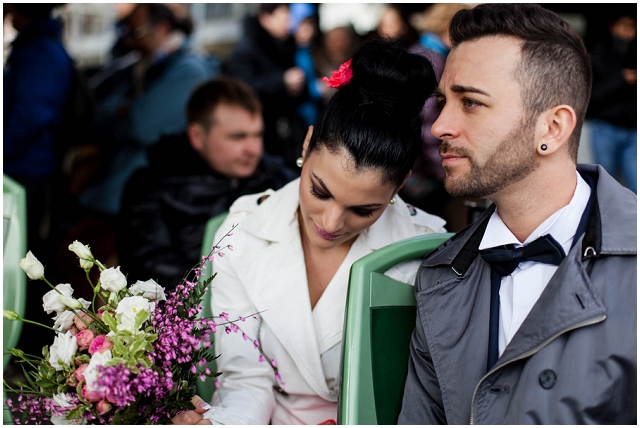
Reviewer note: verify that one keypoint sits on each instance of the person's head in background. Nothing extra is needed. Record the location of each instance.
(302, 23)
(365, 143)
(624, 28)
(274, 18)
(514, 94)
(436, 18)
(339, 44)
(225, 126)
(23, 14)
(155, 28)
(394, 24)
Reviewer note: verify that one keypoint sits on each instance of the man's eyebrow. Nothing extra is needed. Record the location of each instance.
(324, 187)
(460, 89)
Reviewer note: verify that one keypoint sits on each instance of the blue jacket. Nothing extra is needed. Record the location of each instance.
(37, 79)
(573, 360)
(159, 110)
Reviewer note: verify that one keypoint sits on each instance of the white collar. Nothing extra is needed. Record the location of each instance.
(562, 224)
(276, 220)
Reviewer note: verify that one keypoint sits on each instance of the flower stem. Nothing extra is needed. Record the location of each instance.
(51, 285)
(41, 325)
(93, 301)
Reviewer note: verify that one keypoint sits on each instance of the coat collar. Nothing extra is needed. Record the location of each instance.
(611, 228)
(275, 278)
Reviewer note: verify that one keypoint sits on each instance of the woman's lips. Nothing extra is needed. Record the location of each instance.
(325, 235)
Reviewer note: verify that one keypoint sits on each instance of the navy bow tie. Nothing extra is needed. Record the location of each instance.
(505, 259)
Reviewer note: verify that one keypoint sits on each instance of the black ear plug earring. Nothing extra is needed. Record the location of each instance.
(543, 147)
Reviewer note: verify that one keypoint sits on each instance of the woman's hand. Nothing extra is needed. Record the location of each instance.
(193, 417)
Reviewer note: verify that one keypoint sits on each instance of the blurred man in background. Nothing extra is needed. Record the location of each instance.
(192, 177)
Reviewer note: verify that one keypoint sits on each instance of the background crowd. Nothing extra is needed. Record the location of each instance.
(133, 157)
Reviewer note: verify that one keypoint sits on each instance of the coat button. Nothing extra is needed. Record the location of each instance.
(547, 379)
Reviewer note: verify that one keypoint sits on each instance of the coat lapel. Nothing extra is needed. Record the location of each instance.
(275, 278)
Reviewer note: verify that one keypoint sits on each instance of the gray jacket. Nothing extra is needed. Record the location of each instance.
(573, 360)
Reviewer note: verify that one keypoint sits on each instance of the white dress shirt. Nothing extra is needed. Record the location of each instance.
(521, 290)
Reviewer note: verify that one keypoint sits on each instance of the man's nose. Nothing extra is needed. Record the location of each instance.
(446, 125)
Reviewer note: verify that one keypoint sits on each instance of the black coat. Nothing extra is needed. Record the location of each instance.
(166, 206)
(260, 60)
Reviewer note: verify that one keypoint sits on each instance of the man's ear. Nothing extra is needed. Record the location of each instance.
(197, 136)
(305, 145)
(555, 128)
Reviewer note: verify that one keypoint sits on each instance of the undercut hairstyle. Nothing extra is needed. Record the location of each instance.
(222, 90)
(375, 117)
(554, 69)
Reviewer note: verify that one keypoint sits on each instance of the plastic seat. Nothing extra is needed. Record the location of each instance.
(14, 291)
(380, 318)
(206, 389)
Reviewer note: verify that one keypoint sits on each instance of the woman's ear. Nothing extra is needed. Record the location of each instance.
(403, 182)
(305, 145)
(555, 128)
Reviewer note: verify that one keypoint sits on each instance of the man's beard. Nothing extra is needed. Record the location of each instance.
(512, 161)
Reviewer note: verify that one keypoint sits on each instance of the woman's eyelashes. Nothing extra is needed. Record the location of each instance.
(319, 193)
(361, 212)
(323, 196)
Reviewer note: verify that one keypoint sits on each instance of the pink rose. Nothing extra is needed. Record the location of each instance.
(79, 373)
(100, 344)
(83, 322)
(84, 339)
(111, 398)
(102, 311)
(103, 406)
(92, 396)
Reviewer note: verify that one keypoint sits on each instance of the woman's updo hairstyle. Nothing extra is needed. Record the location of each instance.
(376, 116)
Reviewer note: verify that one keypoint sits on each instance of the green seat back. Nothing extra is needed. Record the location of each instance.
(380, 318)
(206, 389)
(15, 248)
(14, 229)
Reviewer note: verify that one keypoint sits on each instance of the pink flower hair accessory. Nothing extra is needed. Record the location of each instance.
(340, 77)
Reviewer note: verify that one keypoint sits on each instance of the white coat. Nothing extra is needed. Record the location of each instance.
(265, 272)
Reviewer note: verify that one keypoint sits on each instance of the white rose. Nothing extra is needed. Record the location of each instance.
(91, 373)
(112, 279)
(127, 310)
(151, 290)
(84, 254)
(62, 420)
(51, 299)
(63, 400)
(64, 320)
(32, 266)
(63, 349)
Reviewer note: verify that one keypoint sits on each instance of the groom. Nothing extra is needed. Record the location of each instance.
(529, 314)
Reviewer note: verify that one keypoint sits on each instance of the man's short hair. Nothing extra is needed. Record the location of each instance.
(555, 68)
(222, 90)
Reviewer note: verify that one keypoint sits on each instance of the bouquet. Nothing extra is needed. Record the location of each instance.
(133, 360)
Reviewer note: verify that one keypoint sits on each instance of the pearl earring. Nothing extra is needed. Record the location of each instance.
(392, 201)
(299, 162)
